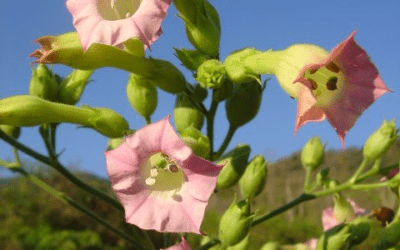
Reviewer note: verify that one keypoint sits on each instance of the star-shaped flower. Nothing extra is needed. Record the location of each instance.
(340, 86)
(113, 22)
(159, 180)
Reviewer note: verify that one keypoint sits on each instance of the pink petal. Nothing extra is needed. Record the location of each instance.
(306, 111)
(328, 220)
(92, 28)
(181, 246)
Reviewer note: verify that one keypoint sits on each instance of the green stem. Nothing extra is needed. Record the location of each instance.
(148, 121)
(361, 168)
(306, 186)
(61, 169)
(199, 106)
(226, 141)
(210, 126)
(67, 200)
(211, 243)
(44, 131)
(374, 170)
(366, 187)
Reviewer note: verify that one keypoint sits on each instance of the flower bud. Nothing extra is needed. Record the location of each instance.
(167, 77)
(234, 66)
(43, 83)
(142, 95)
(312, 154)
(380, 141)
(272, 245)
(202, 24)
(211, 74)
(186, 114)
(191, 59)
(199, 143)
(242, 245)
(235, 223)
(25, 111)
(235, 164)
(113, 143)
(244, 103)
(224, 92)
(199, 93)
(391, 235)
(253, 179)
(359, 230)
(335, 238)
(342, 210)
(11, 131)
(72, 86)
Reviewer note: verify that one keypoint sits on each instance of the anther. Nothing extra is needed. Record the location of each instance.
(331, 84)
(173, 168)
(312, 71)
(333, 67)
(314, 84)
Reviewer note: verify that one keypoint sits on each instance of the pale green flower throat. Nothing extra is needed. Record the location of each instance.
(117, 9)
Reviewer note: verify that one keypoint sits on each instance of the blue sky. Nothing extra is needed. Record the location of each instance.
(257, 23)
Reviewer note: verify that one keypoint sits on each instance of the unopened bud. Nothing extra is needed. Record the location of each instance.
(11, 131)
(43, 83)
(142, 95)
(253, 179)
(199, 93)
(244, 103)
(72, 86)
(380, 141)
(199, 143)
(335, 238)
(391, 235)
(186, 114)
(342, 210)
(312, 154)
(242, 245)
(167, 77)
(223, 92)
(235, 223)
(359, 230)
(235, 164)
(273, 245)
(211, 74)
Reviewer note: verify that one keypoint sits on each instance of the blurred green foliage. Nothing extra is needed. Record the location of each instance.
(32, 219)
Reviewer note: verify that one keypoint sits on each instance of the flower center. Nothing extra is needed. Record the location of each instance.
(326, 83)
(117, 9)
(163, 175)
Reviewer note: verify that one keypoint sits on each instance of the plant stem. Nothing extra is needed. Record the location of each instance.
(61, 169)
(199, 106)
(210, 126)
(306, 186)
(226, 141)
(362, 166)
(372, 171)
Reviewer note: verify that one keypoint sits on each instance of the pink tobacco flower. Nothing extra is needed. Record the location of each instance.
(181, 246)
(329, 220)
(160, 182)
(346, 70)
(113, 22)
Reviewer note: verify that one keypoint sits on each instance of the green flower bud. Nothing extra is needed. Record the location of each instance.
(25, 111)
(235, 162)
(391, 235)
(167, 77)
(312, 154)
(11, 131)
(202, 24)
(72, 86)
(244, 103)
(191, 59)
(113, 143)
(342, 210)
(359, 230)
(234, 66)
(335, 238)
(142, 95)
(235, 223)
(186, 114)
(380, 141)
(43, 83)
(211, 74)
(199, 143)
(272, 245)
(224, 92)
(242, 245)
(253, 180)
(199, 93)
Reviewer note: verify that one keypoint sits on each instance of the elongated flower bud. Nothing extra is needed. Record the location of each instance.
(236, 161)
(243, 105)
(380, 141)
(312, 154)
(142, 95)
(167, 77)
(234, 65)
(72, 86)
(335, 238)
(25, 111)
(43, 83)
(186, 114)
(199, 143)
(235, 223)
(253, 180)
(242, 245)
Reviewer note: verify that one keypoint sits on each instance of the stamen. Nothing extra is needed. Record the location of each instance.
(173, 168)
(312, 71)
(314, 84)
(332, 83)
(333, 67)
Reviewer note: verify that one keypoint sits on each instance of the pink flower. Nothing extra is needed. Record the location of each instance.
(181, 246)
(159, 181)
(329, 220)
(113, 22)
(346, 70)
